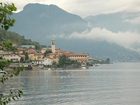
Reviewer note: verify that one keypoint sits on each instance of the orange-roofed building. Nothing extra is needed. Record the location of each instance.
(31, 51)
(57, 52)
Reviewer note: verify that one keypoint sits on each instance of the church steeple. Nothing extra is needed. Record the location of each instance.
(53, 46)
(53, 42)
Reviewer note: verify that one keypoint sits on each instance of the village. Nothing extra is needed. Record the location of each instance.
(45, 57)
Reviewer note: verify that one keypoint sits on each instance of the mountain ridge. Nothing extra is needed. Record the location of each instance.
(47, 21)
(43, 25)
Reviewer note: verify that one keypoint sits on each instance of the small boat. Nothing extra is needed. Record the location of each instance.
(97, 65)
(49, 68)
(29, 67)
(83, 66)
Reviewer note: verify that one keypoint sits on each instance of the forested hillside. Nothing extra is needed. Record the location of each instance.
(17, 39)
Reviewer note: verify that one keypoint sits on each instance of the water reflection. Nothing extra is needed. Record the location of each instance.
(103, 85)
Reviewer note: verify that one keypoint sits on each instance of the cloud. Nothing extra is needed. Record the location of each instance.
(135, 20)
(85, 8)
(125, 39)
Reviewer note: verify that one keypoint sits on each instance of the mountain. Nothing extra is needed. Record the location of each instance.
(38, 21)
(99, 49)
(116, 22)
(17, 39)
(45, 22)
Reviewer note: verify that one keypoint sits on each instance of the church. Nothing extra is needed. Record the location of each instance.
(57, 52)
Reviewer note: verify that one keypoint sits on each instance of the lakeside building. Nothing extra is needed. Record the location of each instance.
(57, 52)
(47, 61)
(36, 56)
(27, 46)
(10, 56)
(31, 51)
(20, 51)
(46, 56)
(43, 50)
(82, 58)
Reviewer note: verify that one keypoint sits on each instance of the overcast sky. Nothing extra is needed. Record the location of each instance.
(87, 7)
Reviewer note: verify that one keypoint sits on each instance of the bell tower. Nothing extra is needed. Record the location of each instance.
(53, 46)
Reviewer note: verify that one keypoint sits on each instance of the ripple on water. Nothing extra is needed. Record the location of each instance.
(115, 84)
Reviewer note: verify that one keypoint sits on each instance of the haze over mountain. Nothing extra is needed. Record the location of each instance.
(42, 20)
(102, 35)
(120, 21)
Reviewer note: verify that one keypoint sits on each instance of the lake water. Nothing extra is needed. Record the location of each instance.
(113, 84)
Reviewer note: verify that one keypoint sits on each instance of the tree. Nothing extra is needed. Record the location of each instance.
(3, 63)
(107, 61)
(5, 75)
(7, 45)
(6, 10)
(26, 57)
(47, 52)
(65, 61)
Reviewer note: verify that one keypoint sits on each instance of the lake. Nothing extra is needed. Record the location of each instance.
(112, 84)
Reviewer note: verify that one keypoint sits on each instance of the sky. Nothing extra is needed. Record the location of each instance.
(86, 7)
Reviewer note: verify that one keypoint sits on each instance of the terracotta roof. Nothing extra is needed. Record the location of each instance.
(31, 51)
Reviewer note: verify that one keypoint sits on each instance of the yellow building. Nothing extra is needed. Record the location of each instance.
(36, 56)
(82, 58)
(57, 52)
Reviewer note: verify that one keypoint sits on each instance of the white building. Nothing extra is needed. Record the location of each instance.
(27, 46)
(12, 57)
(43, 50)
(47, 61)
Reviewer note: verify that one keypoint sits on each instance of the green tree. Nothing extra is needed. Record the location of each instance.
(26, 57)
(6, 10)
(65, 61)
(47, 52)
(5, 75)
(3, 63)
(7, 44)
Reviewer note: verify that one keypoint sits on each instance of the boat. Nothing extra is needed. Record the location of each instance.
(84, 66)
(49, 69)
